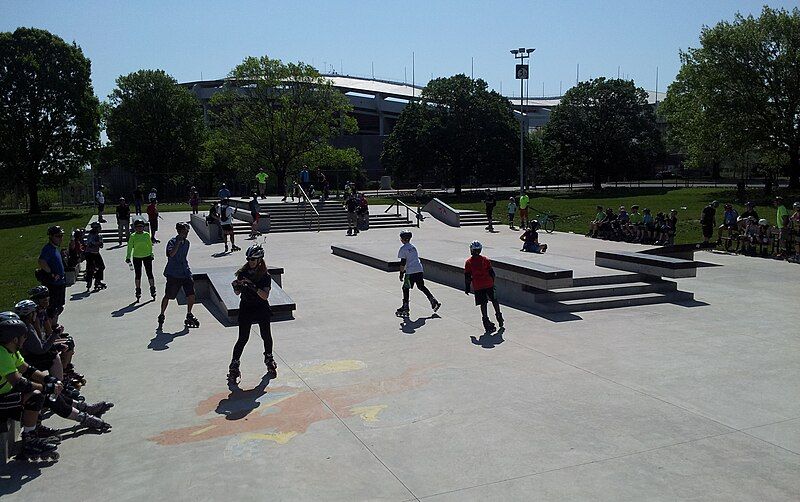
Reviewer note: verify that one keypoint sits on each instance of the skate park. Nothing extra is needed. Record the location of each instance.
(692, 395)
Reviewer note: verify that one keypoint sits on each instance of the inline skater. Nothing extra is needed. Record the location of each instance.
(411, 273)
(179, 275)
(479, 274)
(94, 262)
(140, 247)
(52, 264)
(253, 284)
(226, 222)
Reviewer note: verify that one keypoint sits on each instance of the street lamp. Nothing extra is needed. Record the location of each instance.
(522, 75)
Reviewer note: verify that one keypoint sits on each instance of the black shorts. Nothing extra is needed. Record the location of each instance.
(174, 284)
(41, 362)
(57, 295)
(11, 405)
(708, 230)
(154, 225)
(227, 228)
(483, 296)
(416, 278)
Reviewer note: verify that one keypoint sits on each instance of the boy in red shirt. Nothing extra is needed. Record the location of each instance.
(479, 274)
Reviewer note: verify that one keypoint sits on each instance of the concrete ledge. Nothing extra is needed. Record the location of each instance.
(648, 264)
(8, 440)
(682, 251)
(208, 232)
(531, 273)
(442, 212)
(381, 263)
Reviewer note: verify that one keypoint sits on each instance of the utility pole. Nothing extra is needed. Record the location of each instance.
(522, 74)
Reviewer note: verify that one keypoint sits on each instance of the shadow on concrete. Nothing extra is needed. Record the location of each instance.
(691, 303)
(132, 307)
(117, 246)
(16, 474)
(410, 327)
(240, 402)
(489, 340)
(162, 339)
(80, 296)
(220, 254)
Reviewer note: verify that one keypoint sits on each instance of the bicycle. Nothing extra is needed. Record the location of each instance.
(547, 221)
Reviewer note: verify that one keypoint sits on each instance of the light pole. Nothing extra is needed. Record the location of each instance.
(522, 75)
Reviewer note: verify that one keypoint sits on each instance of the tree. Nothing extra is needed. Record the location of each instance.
(458, 130)
(602, 128)
(276, 116)
(154, 126)
(740, 89)
(49, 118)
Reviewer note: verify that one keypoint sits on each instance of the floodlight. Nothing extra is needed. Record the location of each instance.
(521, 49)
(514, 51)
(530, 50)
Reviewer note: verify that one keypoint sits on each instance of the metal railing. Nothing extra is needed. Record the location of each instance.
(311, 205)
(417, 214)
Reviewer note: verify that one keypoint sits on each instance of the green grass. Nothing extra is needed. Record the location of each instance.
(576, 209)
(22, 237)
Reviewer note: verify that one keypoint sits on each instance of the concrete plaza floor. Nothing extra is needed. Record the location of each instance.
(662, 402)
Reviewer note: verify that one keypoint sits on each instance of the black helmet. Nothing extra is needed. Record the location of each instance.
(405, 234)
(55, 230)
(11, 327)
(254, 251)
(181, 225)
(95, 225)
(25, 307)
(535, 225)
(138, 221)
(39, 292)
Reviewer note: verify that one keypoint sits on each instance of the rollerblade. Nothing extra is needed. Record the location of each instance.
(36, 449)
(435, 305)
(153, 292)
(73, 392)
(47, 434)
(226, 247)
(100, 286)
(272, 366)
(499, 319)
(234, 247)
(234, 375)
(73, 377)
(488, 325)
(96, 409)
(138, 294)
(161, 320)
(191, 321)
(92, 422)
(403, 311)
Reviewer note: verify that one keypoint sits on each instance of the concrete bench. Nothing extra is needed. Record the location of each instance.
(648, 264)
(214, 285)
(682, 251)
(531, 273)
(384, 263)
(9, 432)
(210, 233)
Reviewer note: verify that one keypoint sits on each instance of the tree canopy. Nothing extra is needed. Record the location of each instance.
(276, 116)
(457, 131)
(602, 128)
(49, 118)
(740, 90)
(154, 127)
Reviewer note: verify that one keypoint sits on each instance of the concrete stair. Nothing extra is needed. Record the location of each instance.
(288, 217)
(474, 218)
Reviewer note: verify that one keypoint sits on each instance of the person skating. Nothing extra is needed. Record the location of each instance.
(351, 204)
(490, 202)
(138, 199)
(226, 223)
(179, 275)
(411, 273)
(101, 203)
(255, 209)
(479, 275)
(261, 177)
(123, 213)
(194, 200)
(253, 284)
(140, 248)
(94, 262)
(152, 218)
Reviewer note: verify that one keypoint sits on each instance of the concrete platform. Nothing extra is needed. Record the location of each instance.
(655, 402)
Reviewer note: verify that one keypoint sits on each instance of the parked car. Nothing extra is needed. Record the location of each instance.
(663, 175)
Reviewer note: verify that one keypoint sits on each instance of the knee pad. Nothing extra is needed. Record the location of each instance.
(35, 402)
(60, 407)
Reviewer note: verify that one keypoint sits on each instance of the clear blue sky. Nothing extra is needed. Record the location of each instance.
(188, 39)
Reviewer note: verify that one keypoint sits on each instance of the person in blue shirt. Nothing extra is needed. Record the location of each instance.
(224, 193)
(305, 178)
(52, 266)
(179, 275)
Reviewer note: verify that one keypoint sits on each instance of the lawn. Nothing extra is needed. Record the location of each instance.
(576, 209)
(22, 237)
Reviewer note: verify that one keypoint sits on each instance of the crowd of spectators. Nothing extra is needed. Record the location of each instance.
(634, 226)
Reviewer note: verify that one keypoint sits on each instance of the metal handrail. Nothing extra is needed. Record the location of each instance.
(308, 200)
(397, 203)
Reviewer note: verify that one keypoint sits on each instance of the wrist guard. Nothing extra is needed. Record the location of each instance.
(49, 379)
(29, 372)
(23, 386)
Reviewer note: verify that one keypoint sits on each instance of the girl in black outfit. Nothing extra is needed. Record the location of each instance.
(253, 284)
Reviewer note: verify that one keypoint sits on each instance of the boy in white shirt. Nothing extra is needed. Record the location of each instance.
(411, 273)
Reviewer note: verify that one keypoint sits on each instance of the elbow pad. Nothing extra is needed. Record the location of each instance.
(23, 386)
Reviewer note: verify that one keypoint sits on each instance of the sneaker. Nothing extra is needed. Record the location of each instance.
(435, 305)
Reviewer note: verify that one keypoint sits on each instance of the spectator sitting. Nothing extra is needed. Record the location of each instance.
(607, 225)
(76, 248)
(530, 239)
(594, 225)
(763, 235)
(750, 212)
(635, 224)
(621, 223)
(672, 227)
(782, 224)
(660, 228)
(749, 237)
(730, 222)
(648, 226)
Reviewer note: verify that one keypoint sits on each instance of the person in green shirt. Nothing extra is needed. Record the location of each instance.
(782, 224)
(594, 225)
(524, 202)
(262, 183)
(140, 247)
(635, 223)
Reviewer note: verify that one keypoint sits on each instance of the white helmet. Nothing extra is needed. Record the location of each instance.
(475, 246)
(763, 222)
(254, 251)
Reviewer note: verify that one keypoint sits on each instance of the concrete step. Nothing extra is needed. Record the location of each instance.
(306, 228)
(610, 279)
(613, 302)
(600, 291)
